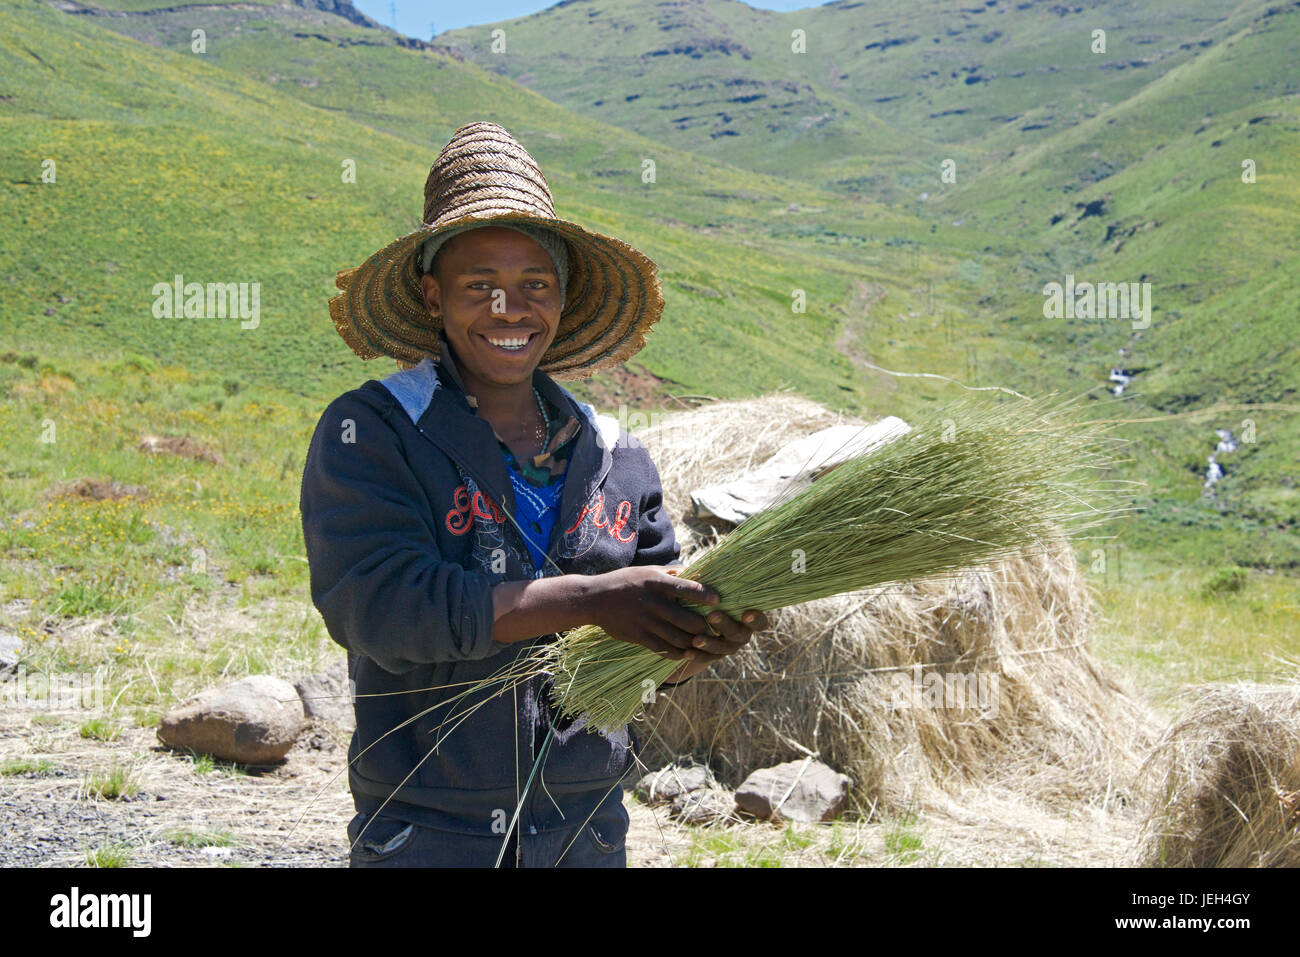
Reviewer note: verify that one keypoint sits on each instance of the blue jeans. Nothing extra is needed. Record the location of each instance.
(390, 842)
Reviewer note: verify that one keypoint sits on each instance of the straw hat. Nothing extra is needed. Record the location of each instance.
(483, 176)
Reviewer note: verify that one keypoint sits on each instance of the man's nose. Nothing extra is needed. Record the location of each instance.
(513, 305)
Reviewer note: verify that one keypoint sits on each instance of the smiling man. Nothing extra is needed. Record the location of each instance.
(467, 508)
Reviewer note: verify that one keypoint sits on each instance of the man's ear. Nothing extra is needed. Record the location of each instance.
(432, 294)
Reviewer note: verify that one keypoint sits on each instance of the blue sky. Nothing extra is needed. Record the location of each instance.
(414, 17)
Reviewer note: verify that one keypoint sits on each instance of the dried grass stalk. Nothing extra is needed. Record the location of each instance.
(1055, 726)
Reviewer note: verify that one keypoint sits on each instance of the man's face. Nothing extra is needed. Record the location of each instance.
(494, 287)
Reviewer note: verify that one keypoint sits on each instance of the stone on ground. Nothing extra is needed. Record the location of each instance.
(704, 806)
(660, 787)
(327, 695)
(803, 791)
(253, 721)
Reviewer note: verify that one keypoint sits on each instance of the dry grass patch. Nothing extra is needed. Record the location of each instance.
(181, 445)
(1227, 781)
(99, 489)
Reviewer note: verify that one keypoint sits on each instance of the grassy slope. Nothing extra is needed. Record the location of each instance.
(883, 92)
(169, 163)
(1221, 256)
(731, 301)
(716, 78)
(250, 184)
(240, 150)
(1154, 128)
(137, 6)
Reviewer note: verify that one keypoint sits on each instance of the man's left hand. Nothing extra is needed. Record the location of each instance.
(730, 635)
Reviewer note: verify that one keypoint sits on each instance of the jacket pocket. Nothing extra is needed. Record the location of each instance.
(378, 839)
(474, 731)
(607, 830)
(611, 846)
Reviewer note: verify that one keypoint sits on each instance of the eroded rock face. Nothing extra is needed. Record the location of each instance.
(253, 721)
(804, 791)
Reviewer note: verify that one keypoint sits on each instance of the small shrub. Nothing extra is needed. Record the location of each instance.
(115, 783)
(16, 766)
(108, 855)
(98, 729)
(203, 763)
(187, 837)
(795, 838)
(901, 841)
(1227, 580)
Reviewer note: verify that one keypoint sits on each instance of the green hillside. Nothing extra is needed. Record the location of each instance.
(881, 91)
(226, 166)
(169, 163)
(1223, 261)
(247, 176)
(1115, 165)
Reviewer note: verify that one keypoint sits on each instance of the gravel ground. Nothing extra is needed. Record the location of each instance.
(291, 816)
(294, 815)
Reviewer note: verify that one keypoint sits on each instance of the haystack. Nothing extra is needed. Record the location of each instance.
(915, 691)
(1226, 781)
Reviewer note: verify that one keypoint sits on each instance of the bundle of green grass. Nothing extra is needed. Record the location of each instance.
(979, 482)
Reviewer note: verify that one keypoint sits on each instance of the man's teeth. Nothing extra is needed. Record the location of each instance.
(516, 343)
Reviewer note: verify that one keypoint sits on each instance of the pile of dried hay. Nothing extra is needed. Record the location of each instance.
(837, 677)
(1227, 781)
(716, 442)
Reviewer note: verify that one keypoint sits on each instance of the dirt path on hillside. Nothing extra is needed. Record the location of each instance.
(863, 296)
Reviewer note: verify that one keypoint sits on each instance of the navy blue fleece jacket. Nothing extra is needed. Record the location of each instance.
(405, 509)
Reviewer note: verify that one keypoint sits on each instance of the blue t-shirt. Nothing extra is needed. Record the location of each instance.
(539, 484)
(536, 509)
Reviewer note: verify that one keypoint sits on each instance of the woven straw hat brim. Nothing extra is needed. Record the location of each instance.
(614, 296)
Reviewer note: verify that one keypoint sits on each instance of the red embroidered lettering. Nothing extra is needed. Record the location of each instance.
(458, 518)
(597, 513)
(484, 507)
(600, 520)
(624, 513)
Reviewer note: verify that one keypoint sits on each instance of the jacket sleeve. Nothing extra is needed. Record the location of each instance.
(656, 543)
(377, 576)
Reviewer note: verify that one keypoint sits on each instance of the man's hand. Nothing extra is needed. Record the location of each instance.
(642, 605)
(729, 637)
